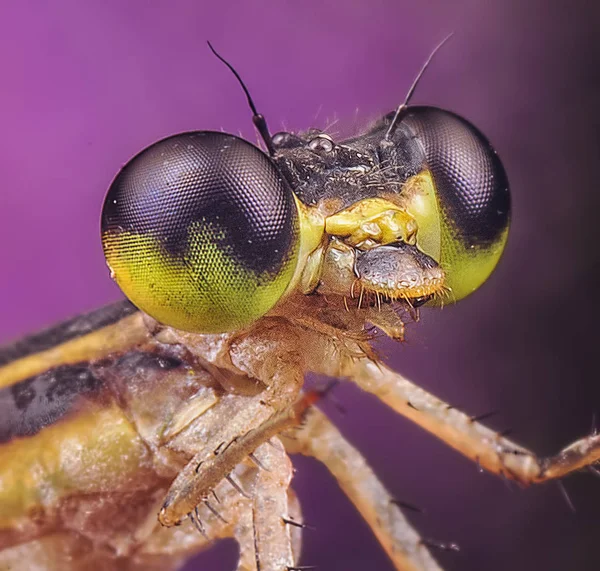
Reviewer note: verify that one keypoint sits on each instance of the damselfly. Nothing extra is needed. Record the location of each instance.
(134, 438)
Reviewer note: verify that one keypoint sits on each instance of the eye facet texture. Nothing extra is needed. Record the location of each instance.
(472, 196)
(201, 232)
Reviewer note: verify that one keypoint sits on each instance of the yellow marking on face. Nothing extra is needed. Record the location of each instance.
(312, 232)
(374, 219)
(96, 450)
(312, 271)
(116, 337)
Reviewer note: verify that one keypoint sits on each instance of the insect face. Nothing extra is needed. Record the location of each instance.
(206, 233)
(434, 194)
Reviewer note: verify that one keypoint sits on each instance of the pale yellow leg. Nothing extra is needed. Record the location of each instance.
(266, 542)
(186, 540)
(272, 535)
(320, 439)
(203, 473)
(256, 522)
(484, 446)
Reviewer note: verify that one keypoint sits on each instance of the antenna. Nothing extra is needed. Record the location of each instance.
(259, 121)
(409, 95)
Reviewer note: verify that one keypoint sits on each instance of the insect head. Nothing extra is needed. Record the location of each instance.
(206, 232)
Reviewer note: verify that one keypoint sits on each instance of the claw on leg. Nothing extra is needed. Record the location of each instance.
(320, 439)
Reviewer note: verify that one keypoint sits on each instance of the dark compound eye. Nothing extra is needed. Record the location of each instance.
(460, 196)
(201, 232)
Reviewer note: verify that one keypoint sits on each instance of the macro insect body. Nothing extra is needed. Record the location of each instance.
(134, 436)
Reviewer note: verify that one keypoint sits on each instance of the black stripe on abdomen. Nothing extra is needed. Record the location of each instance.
(66, 331)
(36, 402)
(39, 401)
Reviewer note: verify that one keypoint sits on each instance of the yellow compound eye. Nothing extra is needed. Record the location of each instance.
(460, 198)
(201, 232)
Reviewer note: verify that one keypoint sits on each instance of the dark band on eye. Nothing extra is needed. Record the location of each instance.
(244, 205)
(470, 180)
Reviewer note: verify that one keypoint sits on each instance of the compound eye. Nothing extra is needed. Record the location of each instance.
(461, 198)
(322, 143)
(201, 232)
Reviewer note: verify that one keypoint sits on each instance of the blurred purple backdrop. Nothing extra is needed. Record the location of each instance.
(85, 85)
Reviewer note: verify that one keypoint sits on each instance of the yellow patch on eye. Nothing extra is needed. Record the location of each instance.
(421, 202)
(204, 290)
(466, 267)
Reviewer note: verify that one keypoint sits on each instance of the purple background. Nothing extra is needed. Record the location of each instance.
(85, 85)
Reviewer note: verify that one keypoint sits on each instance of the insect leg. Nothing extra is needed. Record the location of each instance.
(200, 476)
(320, 439)
(247, 532)
(294, 513)
(244, 535)
(272, 537)
(463, 433)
